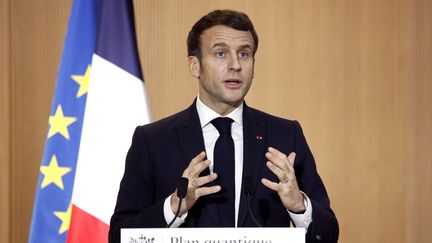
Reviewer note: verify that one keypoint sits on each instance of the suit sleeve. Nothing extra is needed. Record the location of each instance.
(324, 226)
(136, 206)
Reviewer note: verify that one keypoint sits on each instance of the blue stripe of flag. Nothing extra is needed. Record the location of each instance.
(117, 29)
(78, 49)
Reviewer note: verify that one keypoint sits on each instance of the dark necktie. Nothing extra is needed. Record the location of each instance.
(223, 162)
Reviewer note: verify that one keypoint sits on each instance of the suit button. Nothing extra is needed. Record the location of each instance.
(318, 237)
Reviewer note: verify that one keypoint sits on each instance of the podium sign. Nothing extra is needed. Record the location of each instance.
(213, 235)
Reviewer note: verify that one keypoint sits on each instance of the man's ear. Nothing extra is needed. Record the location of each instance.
(194, 66)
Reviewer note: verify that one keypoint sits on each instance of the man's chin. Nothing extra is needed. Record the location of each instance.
(234, 102)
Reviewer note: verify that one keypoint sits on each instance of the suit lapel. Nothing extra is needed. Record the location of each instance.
(254, 138)
(190, 133)
(192, 143)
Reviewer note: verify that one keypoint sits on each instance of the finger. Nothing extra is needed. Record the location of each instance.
(197, 159)
(291, 158)
(200, 181)
(196, 165)
(274, 160)
(286, 163)
(278, 158)
(280, 174)
(200, 167)
(290, 165)
(204, 191)
(272, 185)
(276, 152)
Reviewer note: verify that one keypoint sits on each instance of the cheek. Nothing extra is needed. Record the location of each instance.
(248, 65)
(249, 72)
(213, 69)
(216, 75)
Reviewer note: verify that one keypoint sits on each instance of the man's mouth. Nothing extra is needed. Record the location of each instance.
(232, 81)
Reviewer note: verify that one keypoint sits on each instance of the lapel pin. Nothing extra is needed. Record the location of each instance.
(259, 137)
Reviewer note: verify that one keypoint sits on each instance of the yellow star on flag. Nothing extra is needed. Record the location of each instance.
(59, 123)
(83, 81)
(65, 217)
(53, 173)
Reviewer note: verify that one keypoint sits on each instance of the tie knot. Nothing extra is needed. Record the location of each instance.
(222, 124)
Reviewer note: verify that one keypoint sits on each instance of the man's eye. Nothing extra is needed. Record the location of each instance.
(220, 54)
(243, 54)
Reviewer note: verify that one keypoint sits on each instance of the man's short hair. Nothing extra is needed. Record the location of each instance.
(230, 18)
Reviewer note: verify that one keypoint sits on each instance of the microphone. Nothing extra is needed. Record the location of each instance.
(248, 188)
(181, 193)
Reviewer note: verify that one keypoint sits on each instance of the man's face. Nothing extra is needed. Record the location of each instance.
(226, 68)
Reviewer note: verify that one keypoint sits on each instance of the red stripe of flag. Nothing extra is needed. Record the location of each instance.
(84, 228)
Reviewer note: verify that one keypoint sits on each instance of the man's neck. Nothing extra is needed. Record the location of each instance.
(222, 109)
(206, 114)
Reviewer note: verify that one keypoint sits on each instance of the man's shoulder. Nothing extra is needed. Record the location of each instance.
(169, 122)
(279, 130)
(270, 119)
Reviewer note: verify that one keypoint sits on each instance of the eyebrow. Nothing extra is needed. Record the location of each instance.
(222, 44)
(219, 44)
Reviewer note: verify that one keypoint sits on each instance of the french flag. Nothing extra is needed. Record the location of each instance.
(102, 97)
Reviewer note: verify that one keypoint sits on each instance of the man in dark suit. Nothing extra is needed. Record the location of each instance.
(271, 152)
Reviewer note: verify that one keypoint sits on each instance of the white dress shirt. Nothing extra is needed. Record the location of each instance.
(210, 134)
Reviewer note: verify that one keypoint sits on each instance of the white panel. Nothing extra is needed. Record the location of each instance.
(116, 104)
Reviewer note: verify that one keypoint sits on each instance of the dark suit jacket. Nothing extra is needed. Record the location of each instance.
(160, 152)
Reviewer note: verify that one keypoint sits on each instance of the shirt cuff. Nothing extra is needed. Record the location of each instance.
(169, 215)
(303, 220)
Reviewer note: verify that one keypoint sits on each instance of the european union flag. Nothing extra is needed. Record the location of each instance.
(99, 64)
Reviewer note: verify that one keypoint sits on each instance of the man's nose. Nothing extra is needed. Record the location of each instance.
(234, 63)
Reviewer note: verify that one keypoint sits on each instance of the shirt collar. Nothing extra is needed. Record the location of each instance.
(206, 115)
